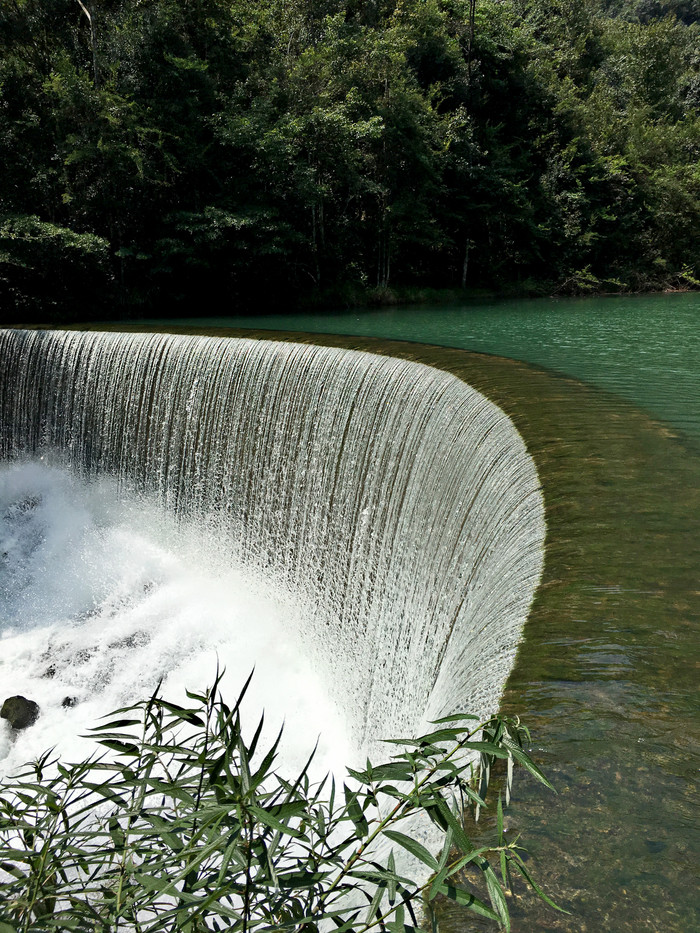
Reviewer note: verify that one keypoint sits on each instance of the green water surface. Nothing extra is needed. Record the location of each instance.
(644, 348)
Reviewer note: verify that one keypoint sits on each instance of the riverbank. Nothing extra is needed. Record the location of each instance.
(356, 298)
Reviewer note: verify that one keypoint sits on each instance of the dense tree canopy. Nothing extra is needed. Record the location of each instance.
(165, 155)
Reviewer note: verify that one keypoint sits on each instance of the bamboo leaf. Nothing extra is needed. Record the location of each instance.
(496, 894)
(12, 869)
(455, 717)
(186, 715)
(517, 862)
(154, 882)
(467, 899)
(379, 875)
(355, 813)
(301, 879)
(488, 748)
(397, 924)
(414, 847)
(441, 735)
(392, 771)
(373, 910)
(264, 817)
(391, 886)
(442, 865)
(458, 835)
(114, 724)
(524, 759)
(124, 748)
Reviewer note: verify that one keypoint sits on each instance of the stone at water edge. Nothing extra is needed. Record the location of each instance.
(20, 712)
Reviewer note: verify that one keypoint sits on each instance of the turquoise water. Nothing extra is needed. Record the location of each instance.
(645, 349)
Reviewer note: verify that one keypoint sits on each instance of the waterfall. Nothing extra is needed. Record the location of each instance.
(394, 500)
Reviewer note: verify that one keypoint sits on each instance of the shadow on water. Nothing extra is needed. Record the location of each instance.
(606, 676)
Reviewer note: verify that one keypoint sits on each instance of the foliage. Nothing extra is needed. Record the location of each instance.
(350, 144)
(182, 825)
(39, 262)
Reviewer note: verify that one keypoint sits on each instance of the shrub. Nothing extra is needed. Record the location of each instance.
(180, 825)
(49, 272)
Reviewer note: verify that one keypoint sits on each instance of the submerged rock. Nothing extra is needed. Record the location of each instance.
(20, 712)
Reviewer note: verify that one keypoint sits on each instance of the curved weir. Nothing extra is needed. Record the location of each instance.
(395, 498)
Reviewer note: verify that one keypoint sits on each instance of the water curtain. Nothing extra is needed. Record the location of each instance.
(400, 501)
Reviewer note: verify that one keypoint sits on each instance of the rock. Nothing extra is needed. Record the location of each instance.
(68, 702)
(20, 712)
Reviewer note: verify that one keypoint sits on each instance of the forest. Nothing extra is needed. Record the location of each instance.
(210, 156)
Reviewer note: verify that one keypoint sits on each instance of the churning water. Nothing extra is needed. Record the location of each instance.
(102, 596)
(368, 532)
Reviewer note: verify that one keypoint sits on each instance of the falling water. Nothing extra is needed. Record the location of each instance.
(388, 508)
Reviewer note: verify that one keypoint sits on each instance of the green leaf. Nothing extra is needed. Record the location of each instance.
(117, 834)
(441, 735)
(443, 867)
(13, 870)
(265, 817)
(504, 869)
(455, 717)
(115, 724)
(284, 811)
(154, 883)
(498, 898)
(301, 879)
(379, 874)
(509, 780)
(124, 748)
(414, 847)
(517, 862)
(392, 772)
(459, 836)
(524, 759)
(391, 886)
(355, 813)
(488, 748)
(165, 831)
(396, 925)
(451, 868)
(360, 776)
(186, 715)
(264, 769)
(374, 910)
(467, 899)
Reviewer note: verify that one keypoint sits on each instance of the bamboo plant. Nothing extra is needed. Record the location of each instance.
(178, 824)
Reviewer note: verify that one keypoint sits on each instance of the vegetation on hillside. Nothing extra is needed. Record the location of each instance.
(161, 155)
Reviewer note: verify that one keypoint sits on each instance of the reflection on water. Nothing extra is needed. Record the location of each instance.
(607, 675)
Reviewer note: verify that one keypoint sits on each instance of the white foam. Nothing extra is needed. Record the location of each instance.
(102, 595)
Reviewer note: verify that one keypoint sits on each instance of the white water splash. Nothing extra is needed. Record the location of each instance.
(102, 595)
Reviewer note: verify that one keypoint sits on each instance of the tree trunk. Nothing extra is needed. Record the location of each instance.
(93, 43)
(470, 38)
